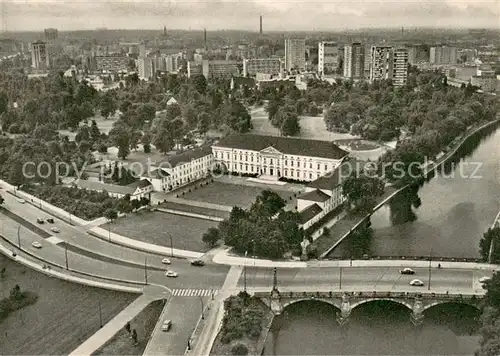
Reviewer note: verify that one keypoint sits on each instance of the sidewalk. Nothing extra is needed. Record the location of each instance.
(212, 325)
(97, 340)
(142, 246)
(66, 276)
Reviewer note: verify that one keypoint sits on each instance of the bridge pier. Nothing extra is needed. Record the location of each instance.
(345, 311)
(275, 302)
(417, 315)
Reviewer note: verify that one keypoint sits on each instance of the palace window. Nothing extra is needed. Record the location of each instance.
(326, 167)
(319, 167)
(271, 161)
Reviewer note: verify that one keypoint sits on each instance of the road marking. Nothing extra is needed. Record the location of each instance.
(194, 292)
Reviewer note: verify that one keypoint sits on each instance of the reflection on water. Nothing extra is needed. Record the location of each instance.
(449, 213)
(376, 328)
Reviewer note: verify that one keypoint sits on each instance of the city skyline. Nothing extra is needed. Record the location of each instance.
(30, 15)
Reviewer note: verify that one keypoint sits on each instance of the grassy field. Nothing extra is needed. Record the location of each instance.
(230, 194)
(151, 227)
(144, 324)
(64, 316)
(194, 209)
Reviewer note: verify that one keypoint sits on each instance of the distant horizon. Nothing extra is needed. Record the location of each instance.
(243, 15)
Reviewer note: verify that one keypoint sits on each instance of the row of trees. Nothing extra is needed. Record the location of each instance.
(265, 230)
(490, 331)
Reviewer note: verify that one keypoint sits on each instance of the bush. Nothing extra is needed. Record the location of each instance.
(239, 349)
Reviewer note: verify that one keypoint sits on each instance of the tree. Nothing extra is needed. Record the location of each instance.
(134, 336)
(111, 214)
(489, 237)
(16, 175)
(4, 102)
(361, 191)
(203, 123)
(127, 327)
(120, 136)
(211, 236)
(199, 82)
(163, 138)
(108, 105)
(146, 142)
(290, 125)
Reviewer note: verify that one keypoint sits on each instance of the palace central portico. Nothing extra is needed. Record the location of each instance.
(271, 157)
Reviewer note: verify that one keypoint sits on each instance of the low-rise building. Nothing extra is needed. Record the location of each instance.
(252, 66)
(137, 190)
(112, 63)
(181, 169)
(276, 158)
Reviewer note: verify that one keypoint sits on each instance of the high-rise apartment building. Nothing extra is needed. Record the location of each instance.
(214, 68)
(440, 55)
(381, 63)
(354, 61)
(295, 54)
(400, 67)
(252, 66)
(328, 57)
(39, 56)
(145, 67)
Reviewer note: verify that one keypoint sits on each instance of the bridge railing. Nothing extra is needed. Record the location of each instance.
(410, 258)
(322, 295)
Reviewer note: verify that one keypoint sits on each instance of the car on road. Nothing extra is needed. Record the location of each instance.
(36, 244)
(167, 324)
(40, 221)
(197, 263)
(166, 261)
(55, 229)
(50, 220)
(407, 271)
(484, 279)
(416, 283)
(171, 274)
(21, 201)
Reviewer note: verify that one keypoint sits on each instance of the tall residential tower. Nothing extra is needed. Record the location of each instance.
(354, 61)
(295, 54)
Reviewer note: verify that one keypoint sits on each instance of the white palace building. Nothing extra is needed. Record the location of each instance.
(271, 157)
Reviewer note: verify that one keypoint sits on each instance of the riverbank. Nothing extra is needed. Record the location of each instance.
(344, 227)
(245, 327)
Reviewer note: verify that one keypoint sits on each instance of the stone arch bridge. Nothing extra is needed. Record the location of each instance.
(417, 303)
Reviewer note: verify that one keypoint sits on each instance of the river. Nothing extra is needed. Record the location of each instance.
(445, 217)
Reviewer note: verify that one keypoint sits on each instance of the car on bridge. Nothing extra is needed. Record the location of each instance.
(36, 244)
(407, 271)
(55, 229)
(416, 283)
(171, 274)
(165, 261)
(197, 263)
(40, 221)
(167, 324)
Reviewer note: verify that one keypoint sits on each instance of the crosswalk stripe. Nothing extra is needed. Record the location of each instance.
(192, 292)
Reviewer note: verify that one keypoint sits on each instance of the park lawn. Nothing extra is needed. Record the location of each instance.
(231, 194)
(150, 227)
(144, 324)
(65, 315)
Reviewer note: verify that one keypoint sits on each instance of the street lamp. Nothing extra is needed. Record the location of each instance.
(146, 269)
(340, 278)
(245, 273)
(100, 311)
(202, 309)
(66, 254)
(430, 260)
(171, 243)
(19, 236)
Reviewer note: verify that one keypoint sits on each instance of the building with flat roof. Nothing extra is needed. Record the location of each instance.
(145, 67)
(39, 56)
(381, 63)
(295, 54)
(112, 63)
(272, 157)
(354, 61)
(51, 34)
(442, 55)
(400, 67)
(214, 68)
(252, 66)
(328, 57)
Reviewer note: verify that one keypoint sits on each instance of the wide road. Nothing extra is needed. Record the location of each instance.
(364, 278)
(90, 254)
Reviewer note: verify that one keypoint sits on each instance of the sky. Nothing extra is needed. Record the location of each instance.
(278, 15)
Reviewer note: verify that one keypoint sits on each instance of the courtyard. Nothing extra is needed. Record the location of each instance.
(232, 195)
(151, 227)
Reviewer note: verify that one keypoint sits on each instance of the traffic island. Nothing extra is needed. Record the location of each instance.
(245, 326)
(124, 342)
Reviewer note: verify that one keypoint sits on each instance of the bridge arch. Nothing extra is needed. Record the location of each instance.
(393, 300)
(442, 302)
(321, 300)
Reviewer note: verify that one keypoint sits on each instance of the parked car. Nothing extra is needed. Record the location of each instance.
(21, 201)
(50, 220)
(55, 229)
(416, 283)
(167, 324)
(40, 221)
(36, 244)
(171, 274)
(197, 263)
(166, 261)
(407, 271)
